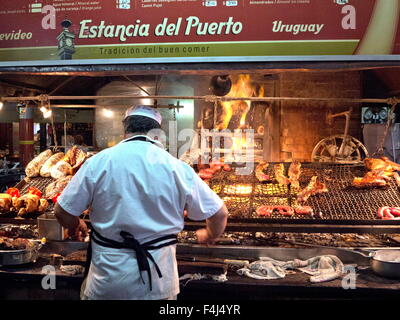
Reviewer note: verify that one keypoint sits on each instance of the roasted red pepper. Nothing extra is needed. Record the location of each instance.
(35, 191)
(13, 192)
(54, 199)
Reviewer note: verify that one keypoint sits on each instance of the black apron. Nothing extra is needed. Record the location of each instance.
(129, 242)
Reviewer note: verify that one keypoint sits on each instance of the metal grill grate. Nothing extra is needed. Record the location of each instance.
(243, 194)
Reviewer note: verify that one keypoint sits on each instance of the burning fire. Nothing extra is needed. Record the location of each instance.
(241, 88)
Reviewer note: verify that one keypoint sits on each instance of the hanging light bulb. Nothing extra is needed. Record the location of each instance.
(1, 104)
(45, 109)
(108, 113)
(47, 113)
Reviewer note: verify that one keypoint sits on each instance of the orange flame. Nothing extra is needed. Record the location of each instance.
(241, 88)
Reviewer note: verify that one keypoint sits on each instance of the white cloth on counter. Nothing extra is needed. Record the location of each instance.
(199, 276)
(321, 268)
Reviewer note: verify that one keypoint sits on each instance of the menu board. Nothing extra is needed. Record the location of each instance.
(195, 30)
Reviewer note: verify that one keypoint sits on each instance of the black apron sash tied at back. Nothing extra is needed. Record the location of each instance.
(142, 250)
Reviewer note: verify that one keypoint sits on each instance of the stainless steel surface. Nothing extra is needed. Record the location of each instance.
(17, 257)
(253, 253)
(49, 227)
(63, 247)
(386, 263)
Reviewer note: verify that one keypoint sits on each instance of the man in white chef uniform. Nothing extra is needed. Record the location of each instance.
(138, 193)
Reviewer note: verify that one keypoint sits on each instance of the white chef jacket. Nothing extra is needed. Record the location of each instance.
(140, 188)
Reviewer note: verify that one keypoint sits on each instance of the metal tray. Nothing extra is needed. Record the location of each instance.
(17, 257)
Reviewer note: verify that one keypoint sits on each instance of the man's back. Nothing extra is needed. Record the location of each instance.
(137, 187)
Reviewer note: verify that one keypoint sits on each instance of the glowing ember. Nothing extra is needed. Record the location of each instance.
(239, 189)
(238, 200)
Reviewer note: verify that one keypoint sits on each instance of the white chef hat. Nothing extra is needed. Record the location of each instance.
(145, 111)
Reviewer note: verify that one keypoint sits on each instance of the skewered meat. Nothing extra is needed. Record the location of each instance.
(5, 202)
(260, 175)
(294, 174)
(60, 169)
(280, 174)
(57, 187)
(33, 167)
(45, 170)
(314, 187)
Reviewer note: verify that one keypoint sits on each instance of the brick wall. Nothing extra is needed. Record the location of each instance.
(303, 124)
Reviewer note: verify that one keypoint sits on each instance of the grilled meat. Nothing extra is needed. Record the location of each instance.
(396, 177)
(388, 213)
(15, 244)
(381, 171)
(381, 164)
(45, 170)
(280, 174)
(57, 187)
(260, 175)
(294, 174)
(304, 210)
(5, 202)
(371, 179)
(75, 157)
(265, 210)
(29, 203)
(314, 187)
(33, 167)
(60, 169)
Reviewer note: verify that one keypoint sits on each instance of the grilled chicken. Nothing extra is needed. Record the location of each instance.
(5, 202)
(381, 171)
(371, 179)
(29, 203)
(294, 174)
(280, 174)
(314, 187)
(260, 175)
(381, 164)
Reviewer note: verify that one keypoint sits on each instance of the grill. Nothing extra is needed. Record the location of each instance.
(38, 182)
(343, 208)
